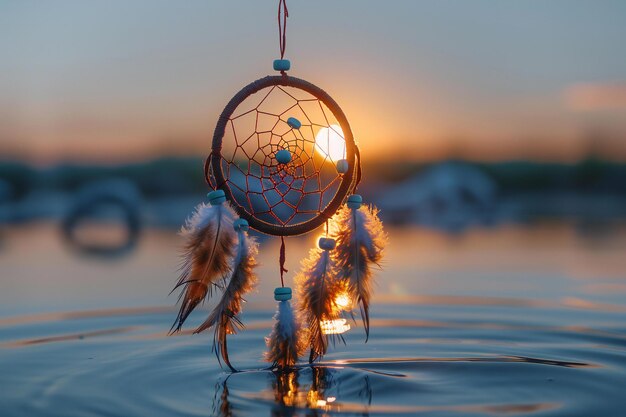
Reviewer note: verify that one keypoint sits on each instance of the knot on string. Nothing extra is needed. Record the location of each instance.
(282, 261)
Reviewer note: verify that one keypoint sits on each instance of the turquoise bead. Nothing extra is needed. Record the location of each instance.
(326, 243)
(216, 197)
(283, 156)
(282, 297)
(241, 224)
(282, 294)
(355, 201)
(282, 290)
(282, 65)
(342, 166)
(294, 123)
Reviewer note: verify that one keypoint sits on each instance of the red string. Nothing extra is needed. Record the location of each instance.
(282, 261)
(282, 26)
(303, 177)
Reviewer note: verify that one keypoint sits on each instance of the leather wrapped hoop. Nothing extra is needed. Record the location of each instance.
(213, 165)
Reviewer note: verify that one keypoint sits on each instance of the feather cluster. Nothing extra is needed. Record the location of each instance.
(284, 343)
(225, 316)
(216, 256)
(360, 243)
(210, 241)
(318, 287)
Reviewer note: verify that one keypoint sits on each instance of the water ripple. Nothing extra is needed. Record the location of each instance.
(121, 363)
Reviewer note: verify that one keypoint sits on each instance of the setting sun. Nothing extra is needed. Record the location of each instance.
(329, 141)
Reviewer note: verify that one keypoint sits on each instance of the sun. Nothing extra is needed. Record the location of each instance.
(329, 142)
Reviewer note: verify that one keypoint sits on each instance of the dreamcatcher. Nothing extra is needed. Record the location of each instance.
(283, 162)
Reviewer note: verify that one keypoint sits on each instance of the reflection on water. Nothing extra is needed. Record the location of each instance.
(313, 388)
(488, 362)
(514, 321)
(325, 390)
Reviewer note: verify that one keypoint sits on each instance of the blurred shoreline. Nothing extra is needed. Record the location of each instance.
(448, 196)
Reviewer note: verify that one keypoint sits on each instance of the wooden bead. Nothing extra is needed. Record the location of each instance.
(342, 166)
(282, 65)
(294, 123)
(283, 156)
(354, 201)
(326, 243)
(216, 197)
(241, 224)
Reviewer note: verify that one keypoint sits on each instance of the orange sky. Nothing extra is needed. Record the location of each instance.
(109, 80)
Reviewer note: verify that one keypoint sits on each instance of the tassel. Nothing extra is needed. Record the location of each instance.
(360, 243)
(225, 315)
(210, 241)
(284, 346)
(317, 291)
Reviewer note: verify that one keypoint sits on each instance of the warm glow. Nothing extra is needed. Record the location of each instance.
(289, 398)
(337, 326)
(314, 399)
(329, 141)
(342, 300)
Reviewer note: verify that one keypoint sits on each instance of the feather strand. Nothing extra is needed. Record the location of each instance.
(360, 243)
(224, 316)
(208, 249)
(317, 290)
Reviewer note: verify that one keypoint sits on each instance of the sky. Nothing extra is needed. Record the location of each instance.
(116, 80)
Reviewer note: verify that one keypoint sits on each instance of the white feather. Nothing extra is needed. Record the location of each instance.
(284, 342)
(209, 247)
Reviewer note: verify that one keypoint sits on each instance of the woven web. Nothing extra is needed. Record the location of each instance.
(282, 194)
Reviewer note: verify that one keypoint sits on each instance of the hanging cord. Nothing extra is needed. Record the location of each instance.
(282, 261)
(282, 26)
(357, 181)
(283, 14)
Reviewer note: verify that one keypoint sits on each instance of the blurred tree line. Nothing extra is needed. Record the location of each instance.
(159, 177)
(184, 176)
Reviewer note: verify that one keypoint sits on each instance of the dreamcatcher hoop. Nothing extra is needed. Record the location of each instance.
(217, 178)
(292, 167)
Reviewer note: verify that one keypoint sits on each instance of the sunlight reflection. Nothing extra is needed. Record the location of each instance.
(342, 300)
(337, 326)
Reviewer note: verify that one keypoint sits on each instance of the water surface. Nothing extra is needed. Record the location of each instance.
(512, 321)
